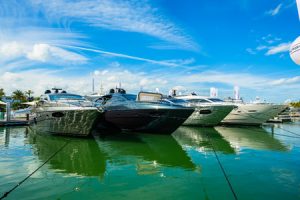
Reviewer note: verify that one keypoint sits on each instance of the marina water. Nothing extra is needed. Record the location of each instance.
(192, 163)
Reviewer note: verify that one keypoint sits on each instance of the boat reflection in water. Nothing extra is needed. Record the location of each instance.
(251, 137)
(148, 152)
(89, 156)
(80, 157)
(227, 140)
(202, 139)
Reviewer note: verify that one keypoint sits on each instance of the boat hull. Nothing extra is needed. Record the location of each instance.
(160, 121)
(252, 114)
(208, 115)
(69, 122)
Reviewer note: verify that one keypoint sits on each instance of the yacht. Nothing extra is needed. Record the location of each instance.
(63, 113)
(145, 112)
(254, 113)
(208, 111)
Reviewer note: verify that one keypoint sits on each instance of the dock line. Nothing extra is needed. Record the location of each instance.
(289, 131)
(16, 186)
(222, 168)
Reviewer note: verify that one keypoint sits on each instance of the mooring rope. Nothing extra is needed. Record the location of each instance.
(289, 131)
(16, 186)
(222, 168)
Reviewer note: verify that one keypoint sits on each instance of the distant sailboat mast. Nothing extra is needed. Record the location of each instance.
(101, 89)
(236, 92)
(93, 85)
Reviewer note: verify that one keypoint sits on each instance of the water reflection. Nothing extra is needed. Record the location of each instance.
(148, 152)
(89, 157)
(202, 139)
(251, 137)
(81, 156)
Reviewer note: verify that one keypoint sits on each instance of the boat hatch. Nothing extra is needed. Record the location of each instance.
(148, 96)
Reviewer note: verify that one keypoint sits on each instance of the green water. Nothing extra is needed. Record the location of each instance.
(260, 163)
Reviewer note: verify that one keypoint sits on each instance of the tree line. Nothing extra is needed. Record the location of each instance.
(295, 104)
(19, 97)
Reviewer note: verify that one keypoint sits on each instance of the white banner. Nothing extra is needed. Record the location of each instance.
(298, 6)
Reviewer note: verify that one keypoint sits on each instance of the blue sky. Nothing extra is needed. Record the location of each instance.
(192, 45)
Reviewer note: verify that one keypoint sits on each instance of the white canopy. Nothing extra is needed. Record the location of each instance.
(2, 103)
(32, 103)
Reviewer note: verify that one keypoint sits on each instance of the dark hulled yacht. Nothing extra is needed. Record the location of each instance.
(145, 112)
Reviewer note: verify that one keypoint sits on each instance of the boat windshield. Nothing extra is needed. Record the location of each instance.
(130, 97)
(216, 100)
(197, 101)
(179, 101)
(66, 97)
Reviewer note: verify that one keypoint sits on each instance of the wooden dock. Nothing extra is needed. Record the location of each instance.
(17, 122)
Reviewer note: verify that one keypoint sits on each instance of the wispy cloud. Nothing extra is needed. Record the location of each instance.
(284, 5)
(283, 47)
(28, 46)
(286, 81)
(129, 16)
(170, 63)
(251, 51)
(270, 45)
(274, 11)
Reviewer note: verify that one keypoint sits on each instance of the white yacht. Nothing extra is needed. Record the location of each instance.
(65, 114)
(208, 111)
(255, 113)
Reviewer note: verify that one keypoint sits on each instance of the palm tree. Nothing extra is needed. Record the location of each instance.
(29, 93)
(19, 95)
(2, 93)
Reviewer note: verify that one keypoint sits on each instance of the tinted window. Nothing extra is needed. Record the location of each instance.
(130, 97)
(197, 101)
(66, 97)
(177, 100)
(215, 100)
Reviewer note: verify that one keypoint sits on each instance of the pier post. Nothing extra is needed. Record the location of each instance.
(8, 111)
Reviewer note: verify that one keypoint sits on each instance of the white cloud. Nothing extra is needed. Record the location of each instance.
(261, 47)
(283, 47)
(41, 52)
(11, 50)
(132, 81)
(129, 16)
(268, 44)
(286, 81)
(46, 53)
(242, 79)
(25, 47)
(274, 11)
